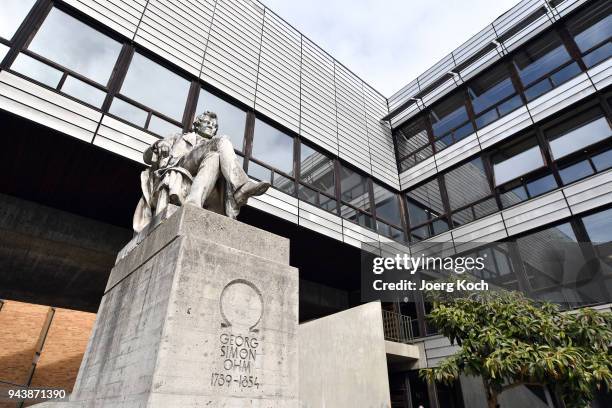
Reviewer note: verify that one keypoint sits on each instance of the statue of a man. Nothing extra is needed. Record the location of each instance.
(187, 168)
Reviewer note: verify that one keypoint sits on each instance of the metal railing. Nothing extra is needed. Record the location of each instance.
(397, 327)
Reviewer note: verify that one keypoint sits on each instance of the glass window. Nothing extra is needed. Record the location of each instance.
(544, 64)
(355, 196)
(439, 226)
(541, 185)
(517, 160)
(413, 143)
(76, 46)
(575, 172)
(283, 183)
(425, 206)
(327, 203)
(475, 211)
(13, 13)
(354, 189)
(83, 91)
(579, 132)
(603, 161)
(521, 190)
(260, 172)
(550, 262)
(469, 174)
(599, 226)
(314, 197)
(231, 119)
(3, 50)
(317, 170)
(450, 121)
(129, 112)
(307, 194)
(273, 147)
(390, 231)
(387, 205)
(418, 214)
(163, 127)
(592, 31)
(156, 87)
(36, 70)
(513, 195)
(493, 96)
(599, 230)
(357, 217)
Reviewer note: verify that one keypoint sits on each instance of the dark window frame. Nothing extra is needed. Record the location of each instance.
(319, 192)
(462, 93)
(248, 156)
(377, 218)
(430, 144)
(368, 181)
(575, 57)
(429, 223)
(566, 43)
(190, 111)
(28, 30)
(522, 137)
(580, 12)
(150, 111)
(586, 153)
(517, 92)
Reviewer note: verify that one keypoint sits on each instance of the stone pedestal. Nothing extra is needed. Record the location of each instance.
(203, 312)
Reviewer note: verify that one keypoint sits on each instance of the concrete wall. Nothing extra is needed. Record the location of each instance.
(53, 257)
(343, 360)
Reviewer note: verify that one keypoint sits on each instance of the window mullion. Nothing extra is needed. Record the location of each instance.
(403, 215)
(62, 80)
(191, 105)
(337, 186)
(572, 48)
(296, 164)
(548, 157)
(516, 81)
(249, 129)
(118, 75)
(445, 200)
(26, 30)
(370, 186)
(488, 168)
(469, 108)
(430, 135)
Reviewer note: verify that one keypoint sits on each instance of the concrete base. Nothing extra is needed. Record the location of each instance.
(343, 361)
(201, 313)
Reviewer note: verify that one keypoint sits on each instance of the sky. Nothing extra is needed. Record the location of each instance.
(388, 43)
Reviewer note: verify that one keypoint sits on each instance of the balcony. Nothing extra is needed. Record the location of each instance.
(397, 327)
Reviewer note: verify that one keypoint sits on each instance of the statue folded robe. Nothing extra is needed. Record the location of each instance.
(196, 167)
(164, 183)
(160, 187)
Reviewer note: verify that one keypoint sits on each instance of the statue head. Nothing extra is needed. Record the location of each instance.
(205, 124)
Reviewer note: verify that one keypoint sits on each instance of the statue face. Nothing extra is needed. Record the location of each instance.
(205, 125)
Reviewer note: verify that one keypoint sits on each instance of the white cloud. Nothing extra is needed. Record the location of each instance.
(389, 43)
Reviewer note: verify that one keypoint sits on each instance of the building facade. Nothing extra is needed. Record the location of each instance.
(506, 140)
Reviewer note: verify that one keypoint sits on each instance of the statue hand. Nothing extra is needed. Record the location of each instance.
(164, 150)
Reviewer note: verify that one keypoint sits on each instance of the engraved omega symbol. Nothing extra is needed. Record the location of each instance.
(241, 304)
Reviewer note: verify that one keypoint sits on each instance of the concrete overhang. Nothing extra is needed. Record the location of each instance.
(401, 351)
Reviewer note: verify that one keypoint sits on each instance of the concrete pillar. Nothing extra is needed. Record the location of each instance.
(201, 312)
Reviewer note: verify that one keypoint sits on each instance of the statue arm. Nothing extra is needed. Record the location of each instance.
(159, 149)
